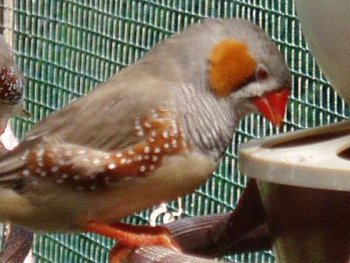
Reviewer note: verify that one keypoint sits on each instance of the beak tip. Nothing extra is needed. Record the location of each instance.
(273, 106)
(278, 121)
(278, 124)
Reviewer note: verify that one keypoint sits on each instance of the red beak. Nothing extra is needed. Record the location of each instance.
(272, 105)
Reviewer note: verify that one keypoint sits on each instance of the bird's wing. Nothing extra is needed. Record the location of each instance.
(106, 118)
(116, 131)
(87, 168)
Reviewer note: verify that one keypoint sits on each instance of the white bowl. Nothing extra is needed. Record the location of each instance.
(314, 158)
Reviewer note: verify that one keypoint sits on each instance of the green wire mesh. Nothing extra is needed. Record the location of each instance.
(66, 47)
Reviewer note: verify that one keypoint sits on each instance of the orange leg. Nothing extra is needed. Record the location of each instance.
(131, 237)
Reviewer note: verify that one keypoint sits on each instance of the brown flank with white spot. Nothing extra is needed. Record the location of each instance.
(162, 137)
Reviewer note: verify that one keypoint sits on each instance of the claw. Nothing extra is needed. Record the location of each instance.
(131, 237)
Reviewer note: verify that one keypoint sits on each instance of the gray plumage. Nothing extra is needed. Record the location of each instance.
(172, 76)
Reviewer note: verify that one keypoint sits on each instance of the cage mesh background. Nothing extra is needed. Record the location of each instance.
(66, 47)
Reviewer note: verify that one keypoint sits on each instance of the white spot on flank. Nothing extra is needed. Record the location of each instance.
(96, 161)
(153, 133)
(140, 133)
(81, 152)
(155, 115)
(165, 135)
(111, 166)
(123, 161)
(54, 169)
(119, 155)
(138, 127)
(43, 174)
(173, 134)
(131, 152)
(40, 152)
(157, 150)
(107, 157)
(174, 143)
(142, 168)
(147, 149)
(154, 158)
(166, 145)
(26, 172)
(152, 167)
(147, 124)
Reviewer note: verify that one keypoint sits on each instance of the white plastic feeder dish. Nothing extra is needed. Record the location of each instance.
(314, 158)
(304, 182)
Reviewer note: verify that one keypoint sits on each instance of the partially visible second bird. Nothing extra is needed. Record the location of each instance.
(18, 240)
(150, 133)
(11, 86)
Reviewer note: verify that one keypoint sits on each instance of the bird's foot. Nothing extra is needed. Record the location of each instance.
(130, 237)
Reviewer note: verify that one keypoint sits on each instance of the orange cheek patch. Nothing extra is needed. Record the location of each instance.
(230, 66)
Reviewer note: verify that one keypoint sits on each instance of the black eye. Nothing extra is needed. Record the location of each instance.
(262, 74)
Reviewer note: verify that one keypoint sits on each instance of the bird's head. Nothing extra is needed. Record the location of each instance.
(11, 86)
(11, 80)
(246, 67)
